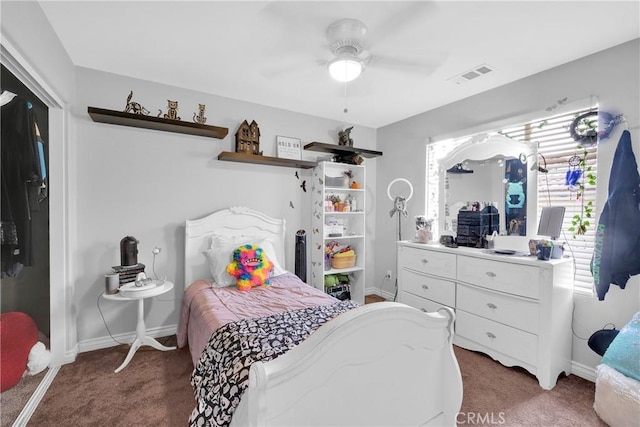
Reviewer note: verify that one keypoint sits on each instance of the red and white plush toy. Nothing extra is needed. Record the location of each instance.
(250, 267)
(18, 334)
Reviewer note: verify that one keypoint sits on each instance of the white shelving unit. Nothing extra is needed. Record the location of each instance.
(345, 227)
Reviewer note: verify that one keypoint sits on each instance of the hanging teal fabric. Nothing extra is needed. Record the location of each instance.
(616, 255)
(42, 163)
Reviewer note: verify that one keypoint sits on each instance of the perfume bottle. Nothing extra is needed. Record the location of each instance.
(351, 202)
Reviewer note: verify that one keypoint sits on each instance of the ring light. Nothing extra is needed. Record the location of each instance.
(400, 180)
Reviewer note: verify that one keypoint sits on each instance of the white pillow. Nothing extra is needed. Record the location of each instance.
(267, 246)
(221, 254)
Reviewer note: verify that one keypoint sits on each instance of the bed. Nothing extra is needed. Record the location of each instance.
(344, 364)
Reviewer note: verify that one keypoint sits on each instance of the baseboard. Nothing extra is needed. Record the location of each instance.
(583, 371)
(70, 355)
(36, 397)
(383, 294)
(127, 338)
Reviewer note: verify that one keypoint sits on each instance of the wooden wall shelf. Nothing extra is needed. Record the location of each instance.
(341, 151)
(101, 115)
(231, 156)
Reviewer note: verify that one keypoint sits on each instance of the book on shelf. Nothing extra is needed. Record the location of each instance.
(129, 275)
(128, 268)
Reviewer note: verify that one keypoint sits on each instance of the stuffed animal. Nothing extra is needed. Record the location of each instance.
(250, 267)
(515, 195)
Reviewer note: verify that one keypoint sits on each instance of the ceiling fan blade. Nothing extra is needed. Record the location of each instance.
(283, 67)
(298, 22)
(405, 15)
(425, 63)
(284, 16)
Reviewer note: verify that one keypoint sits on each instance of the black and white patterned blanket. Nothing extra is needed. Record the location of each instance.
(222, 373)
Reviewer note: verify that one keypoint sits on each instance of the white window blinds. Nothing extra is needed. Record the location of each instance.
(556, 149)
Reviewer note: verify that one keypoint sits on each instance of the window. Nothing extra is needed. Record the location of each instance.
(555, 148)
(435, 153)
(559, 154)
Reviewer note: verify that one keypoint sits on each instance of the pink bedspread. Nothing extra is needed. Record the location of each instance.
(206, 308)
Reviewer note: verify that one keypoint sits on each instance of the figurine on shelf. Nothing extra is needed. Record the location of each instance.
(172, 111)
(344, 137)
(134, 107)
(199, 117)
(357, 159)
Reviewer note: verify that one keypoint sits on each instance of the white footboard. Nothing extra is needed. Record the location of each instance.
(383, 364)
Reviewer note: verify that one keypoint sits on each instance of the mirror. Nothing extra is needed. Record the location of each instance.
(487, 184)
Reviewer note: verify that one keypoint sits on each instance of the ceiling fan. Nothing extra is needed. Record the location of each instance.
(349, 45)
(347, 39)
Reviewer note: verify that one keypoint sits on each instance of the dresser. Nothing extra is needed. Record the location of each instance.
(514, 308)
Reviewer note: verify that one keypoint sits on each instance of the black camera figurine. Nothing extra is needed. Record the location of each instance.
(128, 251)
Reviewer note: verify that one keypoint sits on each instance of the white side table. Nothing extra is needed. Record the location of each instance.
(141, 337)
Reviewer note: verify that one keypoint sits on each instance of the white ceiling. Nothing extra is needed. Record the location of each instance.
(272, 52)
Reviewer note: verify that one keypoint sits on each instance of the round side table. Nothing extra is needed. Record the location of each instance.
(141, 330)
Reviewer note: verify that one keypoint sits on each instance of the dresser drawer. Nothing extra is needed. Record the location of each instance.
(512, 311)
(420, 303)
(431, 262)
(507, 277)
(498, 337)
(439, 290)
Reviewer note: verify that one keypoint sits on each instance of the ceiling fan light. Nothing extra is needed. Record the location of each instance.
(345, 69)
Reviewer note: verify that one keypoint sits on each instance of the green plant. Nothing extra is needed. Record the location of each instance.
(581, 222)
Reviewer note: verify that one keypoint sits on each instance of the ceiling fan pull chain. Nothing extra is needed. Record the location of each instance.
(346, 110)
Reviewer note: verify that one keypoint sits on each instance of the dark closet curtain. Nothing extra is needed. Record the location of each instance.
(23, 184)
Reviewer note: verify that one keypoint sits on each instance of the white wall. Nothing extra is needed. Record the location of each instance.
(146, 183)
(610, 76)
(25, 26)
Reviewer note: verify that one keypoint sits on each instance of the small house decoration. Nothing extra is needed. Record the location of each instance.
(248, 138)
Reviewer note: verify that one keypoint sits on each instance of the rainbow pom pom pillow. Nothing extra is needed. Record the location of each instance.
(250, 267)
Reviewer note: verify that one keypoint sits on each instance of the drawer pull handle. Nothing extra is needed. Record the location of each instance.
(492, 306)
(491, 274)
(424, 261)
(490, 335)
(425, 287)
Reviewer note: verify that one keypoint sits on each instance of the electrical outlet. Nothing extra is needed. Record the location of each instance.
(388, 275)
(157, 250)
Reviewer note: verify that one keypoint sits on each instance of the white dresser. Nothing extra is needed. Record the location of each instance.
(514, 308)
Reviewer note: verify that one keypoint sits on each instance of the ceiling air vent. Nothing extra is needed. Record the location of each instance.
(476, 72)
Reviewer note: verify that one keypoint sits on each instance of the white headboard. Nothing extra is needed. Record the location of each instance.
(233, 221)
